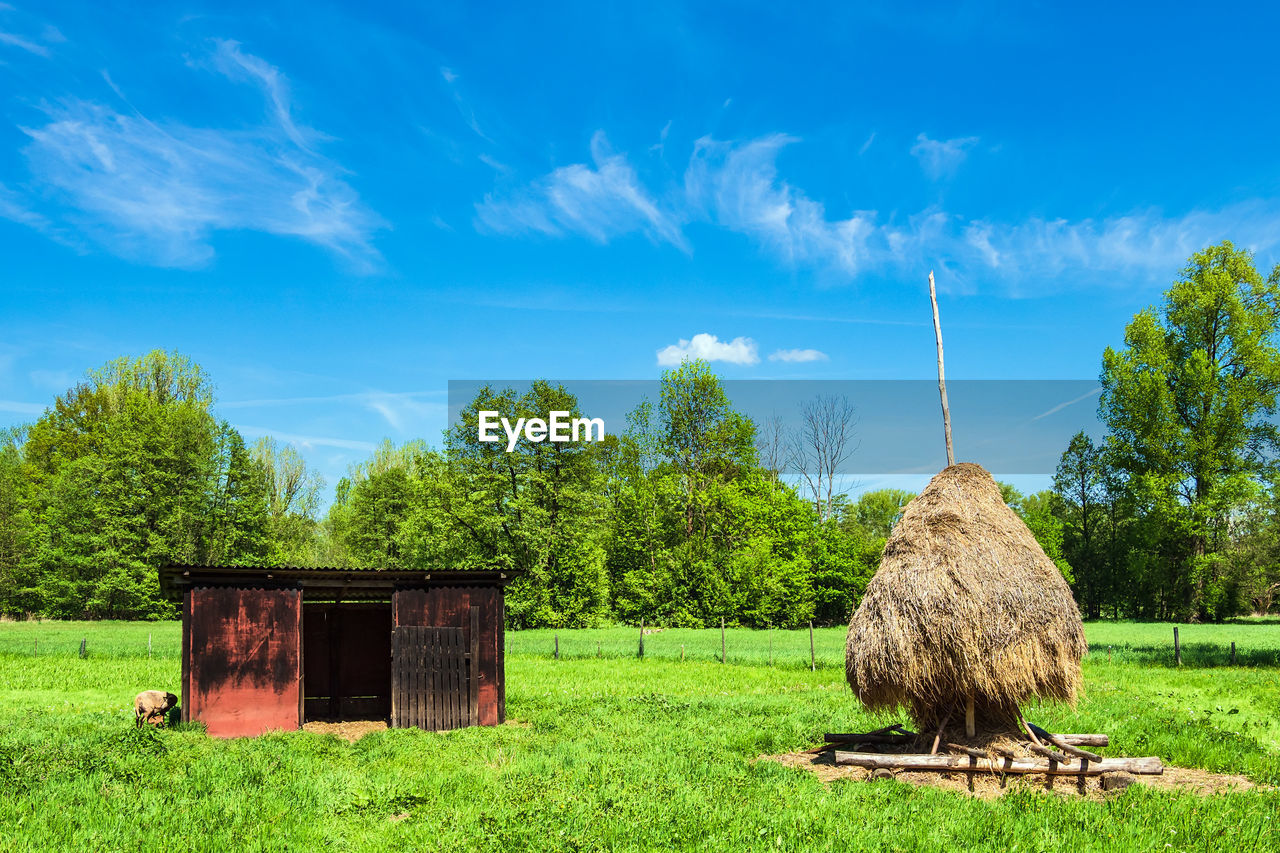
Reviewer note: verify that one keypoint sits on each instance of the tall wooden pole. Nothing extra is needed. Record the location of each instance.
(942, 375)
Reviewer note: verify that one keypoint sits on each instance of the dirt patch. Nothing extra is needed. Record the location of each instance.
(349, 731)
(990, 786)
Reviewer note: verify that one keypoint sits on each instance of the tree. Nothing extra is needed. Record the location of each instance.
(876, 512)
(1188, 404)
(15, 523)
(822, 446)
(773, 446)
(126, 472)
(293, 500)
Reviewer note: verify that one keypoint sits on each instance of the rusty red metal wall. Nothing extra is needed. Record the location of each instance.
(450, 607)
(242, 660)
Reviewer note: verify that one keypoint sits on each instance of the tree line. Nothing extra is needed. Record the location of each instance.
(693, 514)
(1174, 512)
(677, 521)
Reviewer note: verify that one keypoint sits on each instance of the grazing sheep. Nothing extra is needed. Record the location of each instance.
(152, 705)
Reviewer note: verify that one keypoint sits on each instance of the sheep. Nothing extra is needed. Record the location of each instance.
(152, 706)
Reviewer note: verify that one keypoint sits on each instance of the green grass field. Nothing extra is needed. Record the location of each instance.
(615, 753)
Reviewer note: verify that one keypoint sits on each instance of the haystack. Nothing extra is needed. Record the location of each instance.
(965, 605)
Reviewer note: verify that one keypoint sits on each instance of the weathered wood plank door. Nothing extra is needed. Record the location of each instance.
(434, 677)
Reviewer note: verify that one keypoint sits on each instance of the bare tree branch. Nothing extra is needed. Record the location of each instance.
(822, 446)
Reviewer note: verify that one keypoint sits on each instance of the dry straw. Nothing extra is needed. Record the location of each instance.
(965, 604)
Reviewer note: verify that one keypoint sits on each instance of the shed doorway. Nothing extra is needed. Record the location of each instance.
(346, 661)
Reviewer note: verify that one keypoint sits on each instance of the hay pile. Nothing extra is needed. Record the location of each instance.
(965, 603)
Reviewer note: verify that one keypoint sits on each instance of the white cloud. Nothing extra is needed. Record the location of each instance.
(237, 65)
(18, 41)
(709, 348)
(37, 45)
(1146, 243)
(736, 185)
(599, 201)
(941, 157)
(798, 355)
(157, 191)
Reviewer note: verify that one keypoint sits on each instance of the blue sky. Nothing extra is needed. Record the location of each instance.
(335, 210)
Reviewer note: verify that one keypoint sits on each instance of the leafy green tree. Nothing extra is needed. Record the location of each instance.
(126, 472)
(1189, 404)
(701, 435)
(15, 523)
(239, 532)
(876, 512)
(293, 501)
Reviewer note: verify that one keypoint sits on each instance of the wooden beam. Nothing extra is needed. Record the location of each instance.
(937, 739)
(895, 729)
(1149, 766)
(1085, 740)
(835, 742)
(1048, 753)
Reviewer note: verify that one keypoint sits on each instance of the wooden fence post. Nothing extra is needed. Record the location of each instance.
(597, 648)
(770, 645)
(557, 651)
(1108, 654)
(813, 664)
(37, 651)
(722, 654)
(1233, 652)
(1177, 648)
(83, 650)
(682, 651)
(640, 654)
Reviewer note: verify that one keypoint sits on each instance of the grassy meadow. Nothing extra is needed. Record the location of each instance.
(607, 751)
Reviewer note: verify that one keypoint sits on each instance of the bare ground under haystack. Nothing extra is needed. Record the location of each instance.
(989, 785)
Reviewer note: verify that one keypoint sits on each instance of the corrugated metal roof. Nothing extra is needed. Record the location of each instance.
(353, 583)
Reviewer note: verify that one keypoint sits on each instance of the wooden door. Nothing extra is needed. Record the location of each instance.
(434, 678)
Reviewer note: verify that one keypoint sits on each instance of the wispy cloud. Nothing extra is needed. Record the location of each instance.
(306, 442)
(157, 191)
(468, 114)
(53, 380)
(1147, 242)
(1058, 408)
(19, 408)
(709, 348)
(17, 28)
(797, 356)
(600, 201)
(736, 185)
(238, 65)
(18, 41)
(941, 157)
(402, 410)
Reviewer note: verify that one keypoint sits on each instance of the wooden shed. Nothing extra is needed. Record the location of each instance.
(266, 649)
